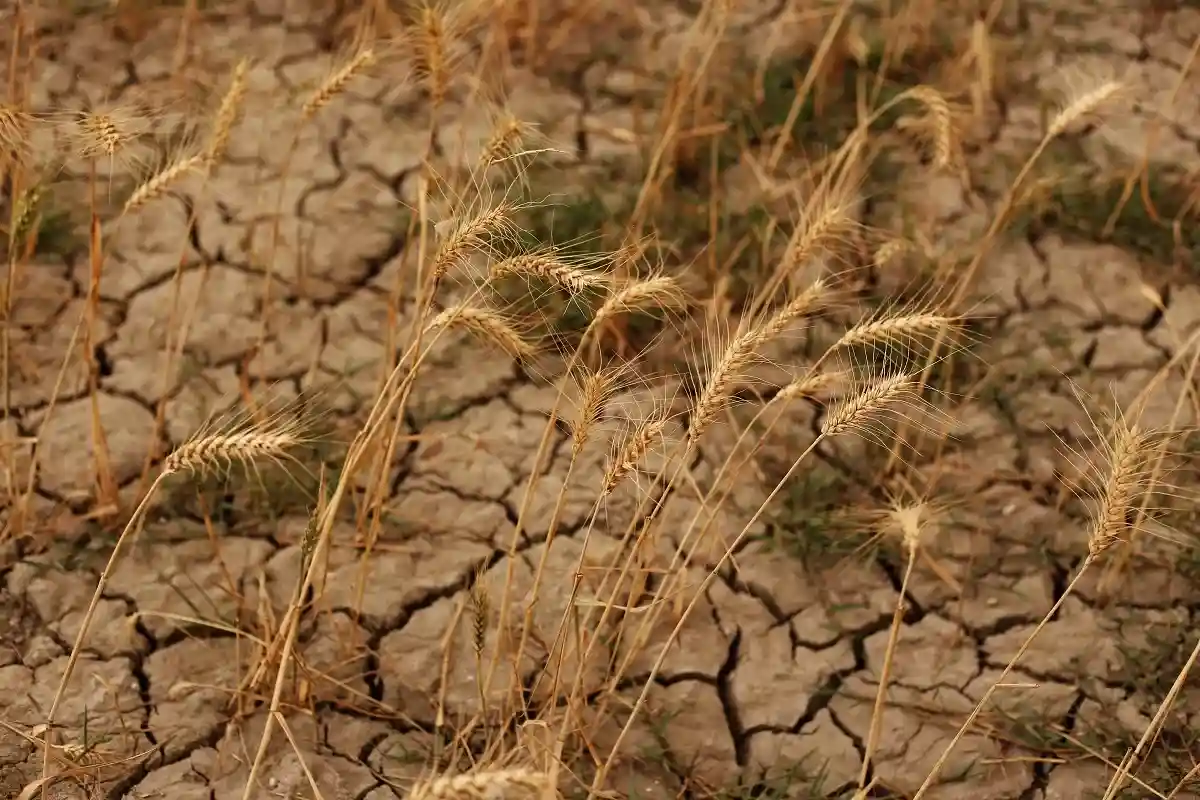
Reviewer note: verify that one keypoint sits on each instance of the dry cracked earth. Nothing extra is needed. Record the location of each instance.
(773, 682)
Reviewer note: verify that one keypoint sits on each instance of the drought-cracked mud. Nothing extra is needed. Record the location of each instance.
(774, 676)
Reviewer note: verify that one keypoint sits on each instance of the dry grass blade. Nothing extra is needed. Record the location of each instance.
(488, 325)
(336, 83)
(503, 784)
(550, 268)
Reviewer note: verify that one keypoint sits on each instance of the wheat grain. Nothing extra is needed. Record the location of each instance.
(488, 325)
(336, 83)
(551, 269)
(503, 784)
(430, 53)
(227, 113)
(159, 183)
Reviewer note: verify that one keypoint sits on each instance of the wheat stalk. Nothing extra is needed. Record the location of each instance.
(596, 391)
(223, 449)
(486, 785)
(15, 126)
(897, 328)
(1129, 450)
(503, 143)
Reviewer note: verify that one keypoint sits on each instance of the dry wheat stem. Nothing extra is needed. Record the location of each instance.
(499, 784)
(89, 615)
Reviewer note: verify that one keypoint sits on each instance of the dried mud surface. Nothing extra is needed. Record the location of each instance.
(775, 677)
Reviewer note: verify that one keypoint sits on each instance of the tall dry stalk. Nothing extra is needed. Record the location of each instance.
(1130, 450)
(212, 449)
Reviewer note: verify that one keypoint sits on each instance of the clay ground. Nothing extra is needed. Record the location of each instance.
(770, 691)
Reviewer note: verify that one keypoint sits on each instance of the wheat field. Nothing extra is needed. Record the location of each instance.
(502, 399)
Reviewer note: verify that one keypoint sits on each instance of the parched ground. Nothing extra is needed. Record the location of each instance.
(772, 685)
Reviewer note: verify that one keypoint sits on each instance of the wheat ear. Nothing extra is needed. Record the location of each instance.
(1086, 103)
(503, 784)
(1129, 452)
(903, 327)
(472, 234)
(15, 127)
(227, 113)
(159, 183)
(596, 390)
(660, 291)
(551, 269)
(942, 122)
(871, 400)
(630, 450)
(488, 325)
(336, 83)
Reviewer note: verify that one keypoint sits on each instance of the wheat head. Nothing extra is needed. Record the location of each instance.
(157, 184)
(550, 268)
(336, 83)
(488, 325)
(870, 400)
(227, 113)
(502, 784)
(629, 451)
